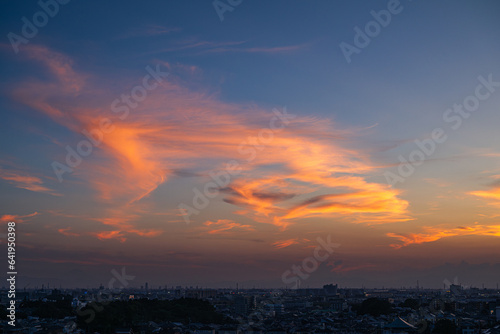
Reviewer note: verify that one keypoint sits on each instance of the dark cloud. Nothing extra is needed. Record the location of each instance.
(275, 197)
(320, 198)
(272, 196)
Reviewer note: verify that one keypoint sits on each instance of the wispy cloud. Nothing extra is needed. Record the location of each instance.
(16, 218)
(303, 172)
(194, 44)
(22, 180)
(224, 226)
(104, 235)
(122, 221)
(67, 232)
(119, 224)
(285, 243)
(492, 195)
(435, 233)
(206, 47)
(149, 31)
(263, 50)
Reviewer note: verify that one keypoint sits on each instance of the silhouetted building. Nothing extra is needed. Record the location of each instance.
(330, 289)
(240, 305)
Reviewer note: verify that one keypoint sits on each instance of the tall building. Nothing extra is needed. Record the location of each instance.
(240, 305)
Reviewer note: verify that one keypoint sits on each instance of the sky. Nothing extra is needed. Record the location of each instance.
(265, 143)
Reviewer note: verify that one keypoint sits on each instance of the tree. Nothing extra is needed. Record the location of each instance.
(375, 307)
(411, 303)
(445, 326)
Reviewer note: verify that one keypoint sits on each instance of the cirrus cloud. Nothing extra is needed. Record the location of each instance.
(302, 172)
(435, 233)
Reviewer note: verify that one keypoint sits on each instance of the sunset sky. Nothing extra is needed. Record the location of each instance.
(225, 141)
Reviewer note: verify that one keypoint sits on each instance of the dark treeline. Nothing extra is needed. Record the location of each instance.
(136, 313)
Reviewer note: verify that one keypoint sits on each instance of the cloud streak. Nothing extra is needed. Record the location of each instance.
(285, 243)
(435, 233)
(492, 195)
(24, 181)
(17, 218)
(150, 30)
(224, 226)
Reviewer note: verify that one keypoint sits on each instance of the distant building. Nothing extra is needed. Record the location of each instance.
(201, 293)
(277, 309)
(498, 313)
(337, 304)
(456, 289)
(240, 305)
(310, 292)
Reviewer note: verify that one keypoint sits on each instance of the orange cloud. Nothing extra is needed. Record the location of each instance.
(122, 220)
(67, 232)
(350, 198)
(434, 233)
(104, 235)
(16, 218)
(23, 181)
(223, 226)
(298, 172)
(285, 243)
(493, 195)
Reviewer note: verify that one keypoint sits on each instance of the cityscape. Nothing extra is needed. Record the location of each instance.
(453, 309)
